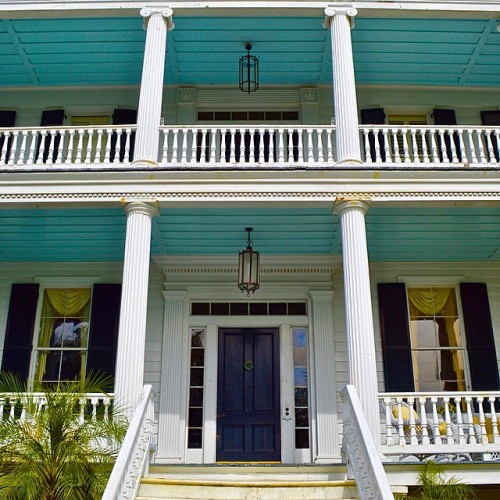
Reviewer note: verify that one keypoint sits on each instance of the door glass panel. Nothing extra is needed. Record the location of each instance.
(196, 388)
(301, 390)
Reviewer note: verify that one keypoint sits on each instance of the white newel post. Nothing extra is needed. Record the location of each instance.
(358, 310)
(132, 331)
(338, 19)
(157, 22)
(327, 441)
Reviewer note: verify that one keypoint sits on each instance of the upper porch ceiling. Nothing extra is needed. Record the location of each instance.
(292, 51)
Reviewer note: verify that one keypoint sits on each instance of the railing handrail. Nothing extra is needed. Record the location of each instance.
(427, 127)
(117, 484)
(362, 451)
(452, 394)
(87, 395)
(57, 128)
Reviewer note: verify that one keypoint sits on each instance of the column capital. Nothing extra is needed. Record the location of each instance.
(166, 12)
(144, 207)
(343, 205)
(340, 9)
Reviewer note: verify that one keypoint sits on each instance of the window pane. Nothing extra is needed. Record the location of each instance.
(423, 333)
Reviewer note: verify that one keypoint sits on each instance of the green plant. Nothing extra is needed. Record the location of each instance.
(60, 451)
(433, 485)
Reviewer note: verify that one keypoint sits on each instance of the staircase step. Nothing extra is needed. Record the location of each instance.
(247, 483)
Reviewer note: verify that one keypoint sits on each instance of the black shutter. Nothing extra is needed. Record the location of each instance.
(7, 119)
(479, 335)
(50, 118)
(394, 324)
(20, 328)
(123, 117)
(374, 116)
(447, 117)
(488, 119)
(103, 335)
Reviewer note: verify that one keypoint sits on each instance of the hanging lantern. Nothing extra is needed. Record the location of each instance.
(249, 71)
(249, 267)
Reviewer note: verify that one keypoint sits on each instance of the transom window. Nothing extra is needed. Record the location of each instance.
(63, 339)
(438, 352)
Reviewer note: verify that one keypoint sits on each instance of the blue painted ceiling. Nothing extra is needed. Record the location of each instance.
(394, 234)
(291, 50)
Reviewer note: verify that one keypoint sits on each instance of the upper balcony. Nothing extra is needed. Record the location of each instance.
(246, 147)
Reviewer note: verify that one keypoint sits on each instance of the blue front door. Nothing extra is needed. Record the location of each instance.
(248, 415)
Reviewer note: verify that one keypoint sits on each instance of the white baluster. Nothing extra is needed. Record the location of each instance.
(79, 147)
(435, 421)
(471, 139)
(214, 144)
(22, 151)
(423, 421)
(193, 134)
(272, 136)
(311, 157)
(494, 422)
(406, 149)
(251, 153)
(319, 147)
(470, 421)
(232, 146)
(60, 147)
(242, 145)
(175, 146)
(368, 154)
(223, 145)
(31, 155)
(434, 149)
(281, 151)
(69, 151)
(183, 138)
(480, 145)
(3, 152)
(203, 147)
(395, 145)
(107, 147)
(300, 146)
(50, 157)
(459, 420)
(461, 144)
(388, 422)
(87, 153)
(289, 144)
(489, 143)
(454, 156)
(444, 152)
(401, 432)
(329, 144)
(98, 146)
(261, 157)
(414, 145)
(378, 156)
(425, 153)
(126, 156)
(13, 148)
(387, 146)
(482, 421)
(447, 419)
(41, 150)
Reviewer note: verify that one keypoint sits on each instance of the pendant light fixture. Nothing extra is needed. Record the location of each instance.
(249, 267)
(249, 71)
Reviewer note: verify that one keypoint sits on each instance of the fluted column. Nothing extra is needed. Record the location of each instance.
(157, 22)
(132, 331)
(338, 19)
(358, 309)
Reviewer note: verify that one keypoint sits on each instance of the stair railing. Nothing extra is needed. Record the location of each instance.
(360, 451)
(135, 454)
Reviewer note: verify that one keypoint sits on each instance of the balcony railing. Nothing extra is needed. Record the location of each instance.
(244, 147)
(442, 423)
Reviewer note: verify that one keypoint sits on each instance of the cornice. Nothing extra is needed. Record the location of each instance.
(171, 197)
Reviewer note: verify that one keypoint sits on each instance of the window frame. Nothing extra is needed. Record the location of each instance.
(51, 283)
(438, 282)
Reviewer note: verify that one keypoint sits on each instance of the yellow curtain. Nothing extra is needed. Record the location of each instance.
(57, 303)
(441, 304)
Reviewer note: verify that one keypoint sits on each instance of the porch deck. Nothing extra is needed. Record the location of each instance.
(250, 147)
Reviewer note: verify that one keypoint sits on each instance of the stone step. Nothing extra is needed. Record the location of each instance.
(247, 482)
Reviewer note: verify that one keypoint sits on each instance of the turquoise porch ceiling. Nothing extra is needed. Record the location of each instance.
(292, 51)
(403, 234)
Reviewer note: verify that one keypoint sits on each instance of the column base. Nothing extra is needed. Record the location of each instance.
(145, 162)
(349, 161)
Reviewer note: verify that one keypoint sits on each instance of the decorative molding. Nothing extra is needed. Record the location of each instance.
(186, 96)
(309, 95)
(340, 9)
(166, 12)
(252, 196)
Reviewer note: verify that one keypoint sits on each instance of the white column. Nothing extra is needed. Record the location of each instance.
(358, 309)
(338, 19)
(173, 400)
(157, 21)
(327, 432)
(132, 331)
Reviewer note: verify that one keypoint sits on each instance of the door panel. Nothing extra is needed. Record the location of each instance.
(248, 416)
